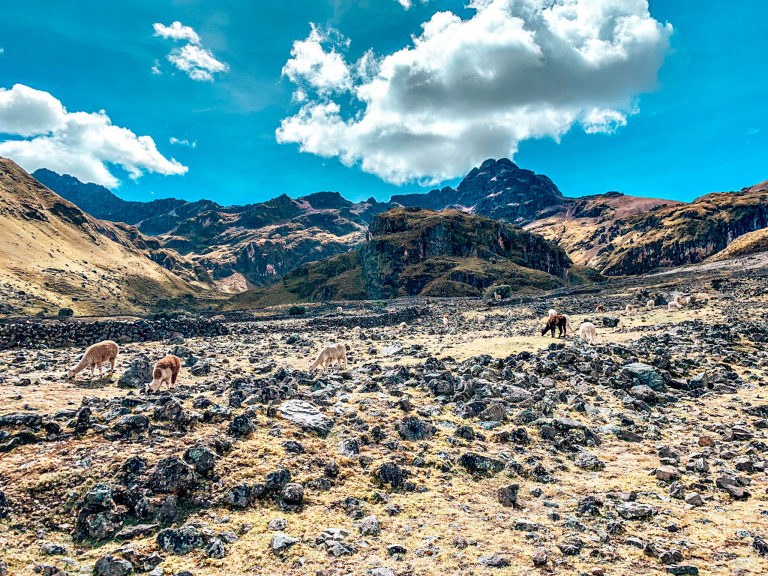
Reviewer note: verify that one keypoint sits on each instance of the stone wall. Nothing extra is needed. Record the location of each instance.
(54, 334)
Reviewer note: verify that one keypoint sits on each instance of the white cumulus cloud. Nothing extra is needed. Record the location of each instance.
(466, 90)
(36, 131)
(176, 31)
(197, 62)
(312, 67)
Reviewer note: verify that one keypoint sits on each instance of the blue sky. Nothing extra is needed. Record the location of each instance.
(681, 115)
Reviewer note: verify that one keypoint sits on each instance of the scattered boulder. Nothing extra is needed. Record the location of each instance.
(139, 373)
(172, 475)
(112, 566)
(412, 429)
(507, 495)
(281, 542)
(480, 464)
(306, 415)
(179, 541)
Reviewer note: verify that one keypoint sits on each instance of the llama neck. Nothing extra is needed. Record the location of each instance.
(83, 363)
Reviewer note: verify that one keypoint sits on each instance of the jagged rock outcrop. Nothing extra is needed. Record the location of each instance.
(409, 250)
(412, 252)
(497, 189)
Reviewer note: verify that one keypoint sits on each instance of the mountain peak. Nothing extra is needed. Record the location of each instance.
(498, 188)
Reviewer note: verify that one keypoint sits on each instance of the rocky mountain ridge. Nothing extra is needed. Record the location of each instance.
(420, 252)
(252, 245)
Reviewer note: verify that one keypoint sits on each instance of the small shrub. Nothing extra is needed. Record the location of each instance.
(297, 311)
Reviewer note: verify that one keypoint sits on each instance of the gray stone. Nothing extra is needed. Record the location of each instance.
(369, 526)
(112, 566)
(281, 542)
(139, 373)
(306, 415)
(647, 375)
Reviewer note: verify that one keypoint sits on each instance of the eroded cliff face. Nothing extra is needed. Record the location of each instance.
(408, 248)
(684, 234)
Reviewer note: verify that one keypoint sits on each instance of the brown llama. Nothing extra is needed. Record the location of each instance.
(97, 355)
(166, 371)
(557, 321)
(600, 308)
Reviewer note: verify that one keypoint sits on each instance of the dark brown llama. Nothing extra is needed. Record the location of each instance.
(558, 321)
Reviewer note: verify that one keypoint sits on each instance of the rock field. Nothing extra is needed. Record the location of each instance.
(473, 447)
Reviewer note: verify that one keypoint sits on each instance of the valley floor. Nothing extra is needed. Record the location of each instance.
(473, 447)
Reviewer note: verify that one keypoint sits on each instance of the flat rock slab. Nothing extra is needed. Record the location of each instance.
(647, 375)
(306, 415)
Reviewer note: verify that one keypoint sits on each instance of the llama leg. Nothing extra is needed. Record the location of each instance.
(101, 371)
(91, 367)
(112, 362)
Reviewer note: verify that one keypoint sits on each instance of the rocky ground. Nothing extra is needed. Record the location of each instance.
(476, 447)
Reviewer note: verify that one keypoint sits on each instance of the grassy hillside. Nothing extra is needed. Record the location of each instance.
(53, 255)
(414, 252)
(582, 226)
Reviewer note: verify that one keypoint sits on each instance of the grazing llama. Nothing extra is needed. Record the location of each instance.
(650, 304)
(587, 332)
(497, 296)
(166, 371)
(600, 308)
(558, 322)
(339, 310)
(629, 309)
(97, 355)
(683, 301)
(333, 354)
(568, 322)
(673, 306)
(445, 320)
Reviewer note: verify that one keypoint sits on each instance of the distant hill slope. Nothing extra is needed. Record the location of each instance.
(241, 246)
(750, 243)
(411, 252)
(253, 245)
(682, 234)
(582, 226)
(54, 255)
(155, 217)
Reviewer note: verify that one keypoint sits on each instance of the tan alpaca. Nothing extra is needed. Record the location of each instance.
(97, 355)
(166, 371)
(333, 354)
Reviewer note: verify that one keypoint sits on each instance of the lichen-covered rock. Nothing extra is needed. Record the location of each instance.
(179, 541)
(306, 415)
(172, 475)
